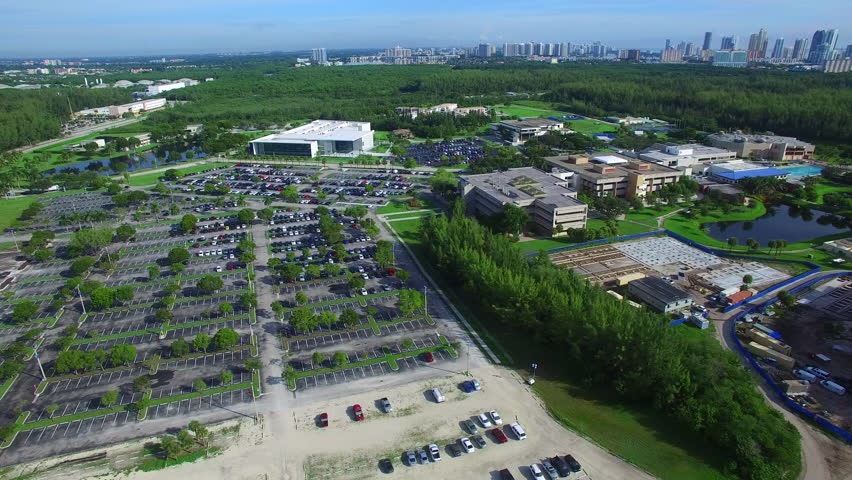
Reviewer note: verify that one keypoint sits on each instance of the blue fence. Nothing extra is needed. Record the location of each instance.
(774, 386)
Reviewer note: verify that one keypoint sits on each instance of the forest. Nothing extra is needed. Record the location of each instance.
(263, 93)
(633, 352)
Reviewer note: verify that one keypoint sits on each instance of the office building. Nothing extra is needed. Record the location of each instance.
(757, 44)
(519, 131)
(767, 147)
(848, 53)
(729, 43)
(614, 174)
(778, 49)
(414, 112)
(668, 44)
(549, 200)
(633, 55)
(708, 38)
(730, 58)
(659, 294)
(485, 50)
(685, 156)
(737, 170)
(800, 49)
(837, 66)
(320, 137)
(398, 51)
(319, 56)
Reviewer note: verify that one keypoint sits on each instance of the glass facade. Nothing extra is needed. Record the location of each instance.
(275, 148)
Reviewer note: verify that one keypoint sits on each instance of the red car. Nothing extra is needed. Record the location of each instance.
(499, 435)
(428, 357)
(323, 420)
(357, 412)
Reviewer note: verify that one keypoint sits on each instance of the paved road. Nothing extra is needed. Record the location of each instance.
(82, 132)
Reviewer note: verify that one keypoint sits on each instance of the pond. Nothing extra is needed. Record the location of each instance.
(781, 222)
(132, 162)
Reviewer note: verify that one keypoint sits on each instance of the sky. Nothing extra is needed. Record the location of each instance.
(56, 28)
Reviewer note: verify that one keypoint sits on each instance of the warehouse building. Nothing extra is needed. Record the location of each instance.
(164, 87)
(550, 201)
(320, 137)
(613, 174)
(767, 147)
(685, 156)
(735, 171)
(519, 131)
(659, 294)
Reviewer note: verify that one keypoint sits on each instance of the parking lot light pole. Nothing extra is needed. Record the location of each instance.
(82, 304)
(534, 367)
(40, 367)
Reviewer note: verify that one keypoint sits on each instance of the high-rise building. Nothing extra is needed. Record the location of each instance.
(484, 50)
(319, 56)
(668, 44)
(778, 49)
(729, 43)
(757, 44)
(822, 46)
(730, 58)
(787, 54)
(800, 49)
(398, 51)
(598, 50)
(671, 55)
(708, 37)
(848, 53)
(634, 55)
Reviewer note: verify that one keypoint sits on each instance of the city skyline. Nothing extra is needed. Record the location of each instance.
(101, 29)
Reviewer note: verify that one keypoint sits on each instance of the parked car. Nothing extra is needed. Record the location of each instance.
(455, 450)
(438, 396)
(499, 436)
(818, 372)
(386, 405)
(476, 385)
(478, 441)
(410, 458)
(467, 387)
(435, 453)
(323, 420)
(357, 412)
(573, 464)
(424, 458)
(549, 469)
(561, 466)
(518, 430)
(495, 417)
(505, 474)
(484, 420)
(385, 465)
(428, 357)
(470, 427)
(466, 445)
(536, 472)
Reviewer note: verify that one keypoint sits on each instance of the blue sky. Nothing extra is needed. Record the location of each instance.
(47, 28)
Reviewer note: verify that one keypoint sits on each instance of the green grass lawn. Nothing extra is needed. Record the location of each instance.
(152, 178)
(588, 127)
(55, 161)
(516, 109)
(381, 136)
(827, 187)
(399, 205)
(651, 213)
(624, 228)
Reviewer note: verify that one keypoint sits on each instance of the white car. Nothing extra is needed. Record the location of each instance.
(466, 445)
(484, 420)
(435, 453)
(218, 268)
(364, 291)
(536, 472)
(495, 417)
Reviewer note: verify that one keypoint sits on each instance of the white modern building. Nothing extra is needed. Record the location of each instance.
(685, 156)
(158, 89)
(320, 137)
(519, 131)
(119, 110)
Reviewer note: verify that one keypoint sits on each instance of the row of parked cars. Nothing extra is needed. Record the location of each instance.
(550, 468)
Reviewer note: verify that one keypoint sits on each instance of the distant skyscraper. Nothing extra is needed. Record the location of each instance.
(708, 37)
(671, 55)
(668, 44)
(778, 50)
(757, 44)
(484, 50)
(729, 43)
(319, 56)
(800, 49)
(690, 50)
(848, 53)
(822, 46)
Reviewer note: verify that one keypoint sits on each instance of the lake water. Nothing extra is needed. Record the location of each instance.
(781, 222)
(134, 162)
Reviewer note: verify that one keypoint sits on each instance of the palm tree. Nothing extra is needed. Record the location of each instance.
(732, 242)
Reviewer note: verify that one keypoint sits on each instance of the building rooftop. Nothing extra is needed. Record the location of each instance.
(532, 122)
(660, 289)
(321, 130)
(629, 165)
(760, 172)
(525, 184)
(757, 138)
(657, 152)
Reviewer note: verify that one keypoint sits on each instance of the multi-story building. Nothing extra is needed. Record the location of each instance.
(549, 200)
(737, 170)
(708, 38)
(164, 87)
(730, 58)
(319, 56)
(398, 51)
(800, 49)
(671, 55)
(848, 53)
(837, 66)
(519, 131)
(768, 147)
(323, 137)
(453, 108)
(634, 55)
(822, 46)
(613, 174)
(685, 156)
(729, 43)
(778, 49)
(757, 44)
